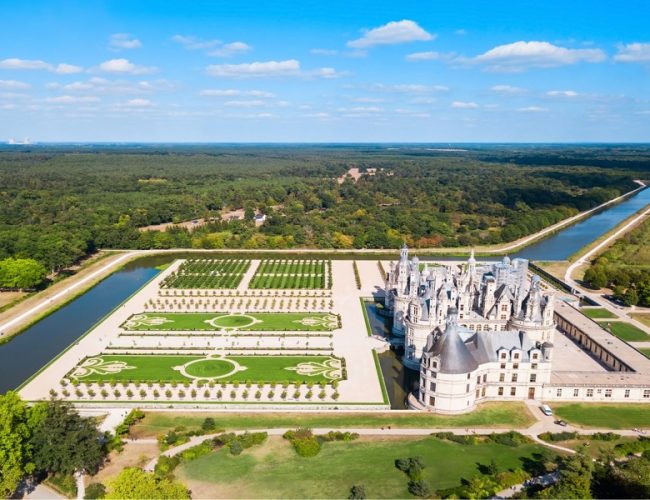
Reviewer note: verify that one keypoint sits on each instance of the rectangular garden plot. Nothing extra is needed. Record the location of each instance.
(260, 322)
(293, 274)
(207, 273)
(218, 368)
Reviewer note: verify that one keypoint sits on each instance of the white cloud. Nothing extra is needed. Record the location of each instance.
(521, 55)
(633, 52)
(13, 85)
(98, 85)
(464, 105)
(138, 103)
(391, 33)
(231, 49)
(124, 66)
(368, 99)
(124, 41)
(532, 109)
(235, 93)
(460, 32)
(324, 52)
(361, 109)
(67, 69)
(290, 67)
(409, 88)
(19, 64)
(193, 43)
(71, 99)
(327, 73)
(423, 56)
(252, 103)
(507, 89)
(562, 93)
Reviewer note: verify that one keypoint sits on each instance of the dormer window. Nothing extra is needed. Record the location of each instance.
(503, 355)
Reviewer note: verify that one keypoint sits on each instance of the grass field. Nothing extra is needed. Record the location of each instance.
(274, 470)
(263, 322)
(271, 369)
(207, 273)
(597, 313)
(291, 274)
(511, 415)
(643, 318)
(625, 331)
(605, 416)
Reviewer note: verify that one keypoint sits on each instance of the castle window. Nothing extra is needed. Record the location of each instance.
(434, 364)
(558, 393)
(533, 366)
(516, 356)
(576, 393)
(484, 377)
(483, 392)
(627, 393)
(503, 355)
(533, 377)
(462, 307)
(468, 376)
(502, 377)
(608, 393)
(478, 328)
(467, 388)
(432, 386)
(535, 355)
(478, 379)
(478, 393)
(514, 377)
(646, 393)
(503, 366)
(513, 391)
(504, 307)
(503, 316)
(515, 366)
(590, 393)
(503, 328)
(432, 401)
(500, 391)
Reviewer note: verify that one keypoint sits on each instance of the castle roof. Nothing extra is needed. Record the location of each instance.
(452, 351)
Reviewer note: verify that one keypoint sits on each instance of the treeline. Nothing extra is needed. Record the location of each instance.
(625, 268)
(58, 204)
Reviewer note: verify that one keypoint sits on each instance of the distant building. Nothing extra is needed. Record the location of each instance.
(260, 219)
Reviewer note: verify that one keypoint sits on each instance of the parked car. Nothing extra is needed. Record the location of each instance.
(561, 423)
(546, 410)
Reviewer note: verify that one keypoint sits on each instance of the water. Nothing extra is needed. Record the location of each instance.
(565, 243)
(32, 349)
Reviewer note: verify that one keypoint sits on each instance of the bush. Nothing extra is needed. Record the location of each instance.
(412, 467)
(456, 438)
(419, 488)
(95, 490)
(166, 465)
(208, 424)
(357, 492)
(309, 447)
(511, 438)
(558, 436)
(235, 447)
(605, 436)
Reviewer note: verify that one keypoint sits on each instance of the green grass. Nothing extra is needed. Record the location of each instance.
(645, 351)
(380, 376)
(508, 415)
(597, 313)
(207, 273)
(365, 316)
(605, 416)
(625, 331)
(276, 471)
(263, 322)
(272, 369)
(290, 274)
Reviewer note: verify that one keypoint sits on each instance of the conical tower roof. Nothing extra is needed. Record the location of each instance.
(453, 353)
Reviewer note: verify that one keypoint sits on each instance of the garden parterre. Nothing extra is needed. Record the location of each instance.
(208, 273)
(292, 274)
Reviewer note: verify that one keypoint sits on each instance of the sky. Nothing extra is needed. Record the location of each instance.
(327, 71)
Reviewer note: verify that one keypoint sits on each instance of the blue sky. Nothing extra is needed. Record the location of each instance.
(335, 71)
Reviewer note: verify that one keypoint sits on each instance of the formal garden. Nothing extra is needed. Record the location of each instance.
(292, 274)
(229, 369)
(207, 274)
(263, 322)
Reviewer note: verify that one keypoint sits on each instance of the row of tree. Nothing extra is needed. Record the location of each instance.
(21, 273)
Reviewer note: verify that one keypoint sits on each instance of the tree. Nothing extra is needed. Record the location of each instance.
(134, 483)
(357, 492)
(15, 449)
(208, 424)
(63, 442)
(631, 298)
(21, 273)
(576, 472)
(95, 490)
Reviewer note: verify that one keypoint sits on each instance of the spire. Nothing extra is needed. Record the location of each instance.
(471, 260)
(404, 253)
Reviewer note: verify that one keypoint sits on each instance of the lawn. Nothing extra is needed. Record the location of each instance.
(291, 274)
(646, 352)
(207, 273)
(605, 416)
(270, 369)
(274, 470)
(597, 312)
(509, 415)
(643, 318)
(262, 322)
(625, 331)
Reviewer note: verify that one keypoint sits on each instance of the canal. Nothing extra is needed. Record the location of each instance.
(28, 352)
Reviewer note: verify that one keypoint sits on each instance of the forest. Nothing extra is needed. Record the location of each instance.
(60, 203)
(625, 267)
